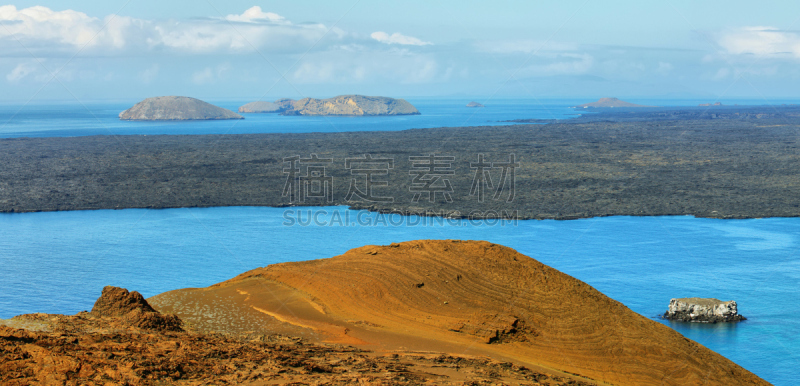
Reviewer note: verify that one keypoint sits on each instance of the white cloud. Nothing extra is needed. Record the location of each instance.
(394, 66)
(760, 41)
(40, 26)
(397, 38)
(256, 15)
(559, 64)
(210, 37)
(523, 46)
(209, 75)
(664, 68)
(20, 72)
(203, 76)
(722, 73)
(47, 32)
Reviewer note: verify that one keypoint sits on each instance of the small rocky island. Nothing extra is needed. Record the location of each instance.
(342, 105)
(703, 310)
(474, 104)
(261, 107)
(176, 108)
(607, 103)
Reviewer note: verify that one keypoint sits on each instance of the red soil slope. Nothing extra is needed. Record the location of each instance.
(464, 297)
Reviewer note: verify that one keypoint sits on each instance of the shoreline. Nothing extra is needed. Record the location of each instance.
(446, 217)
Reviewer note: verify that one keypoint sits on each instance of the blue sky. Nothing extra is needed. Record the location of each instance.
(98, 50)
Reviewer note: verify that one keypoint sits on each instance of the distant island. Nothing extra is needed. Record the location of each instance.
(342, 105)
(474, 104)
(710, 105)
(609, 102)
(176, 108)
(261, 107)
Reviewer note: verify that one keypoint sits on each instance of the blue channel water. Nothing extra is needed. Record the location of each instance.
(70, 119)
(58, 262)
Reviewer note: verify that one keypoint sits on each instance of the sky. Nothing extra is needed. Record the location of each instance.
(91, 50)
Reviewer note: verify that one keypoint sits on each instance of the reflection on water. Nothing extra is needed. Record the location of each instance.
(719, 332)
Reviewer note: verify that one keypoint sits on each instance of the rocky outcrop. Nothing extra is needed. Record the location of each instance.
(474, 104)
(349, 105)
(703, 310)
(261, 107)
(175, 108)
(151, 359)
(132, 309)
(608, 102)
(115, 301)
(97, 348)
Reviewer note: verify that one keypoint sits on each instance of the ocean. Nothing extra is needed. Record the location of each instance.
(58, 262)
(70, 119)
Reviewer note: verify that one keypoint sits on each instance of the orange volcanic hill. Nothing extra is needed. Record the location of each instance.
(462, 297)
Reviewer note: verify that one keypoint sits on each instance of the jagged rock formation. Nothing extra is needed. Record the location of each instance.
(133, 309)
(350, 105)
(115, 311)
(474, 104)
(609, 102)
(261, 107)
(115, 301)
(175, 108)
(703, 310)
(471, 297)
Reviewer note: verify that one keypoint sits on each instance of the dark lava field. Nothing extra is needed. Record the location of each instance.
(728, 165)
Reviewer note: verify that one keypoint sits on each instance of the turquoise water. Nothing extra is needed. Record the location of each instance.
(101, 118)
(70, 119)
(59, 261)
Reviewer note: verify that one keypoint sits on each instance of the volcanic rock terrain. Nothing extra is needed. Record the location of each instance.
(743, 167)
(124, 341)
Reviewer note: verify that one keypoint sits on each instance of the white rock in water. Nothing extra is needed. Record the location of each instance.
(703, 310)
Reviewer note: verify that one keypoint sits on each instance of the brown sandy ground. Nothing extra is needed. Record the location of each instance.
(457, 297)
(123, 341)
